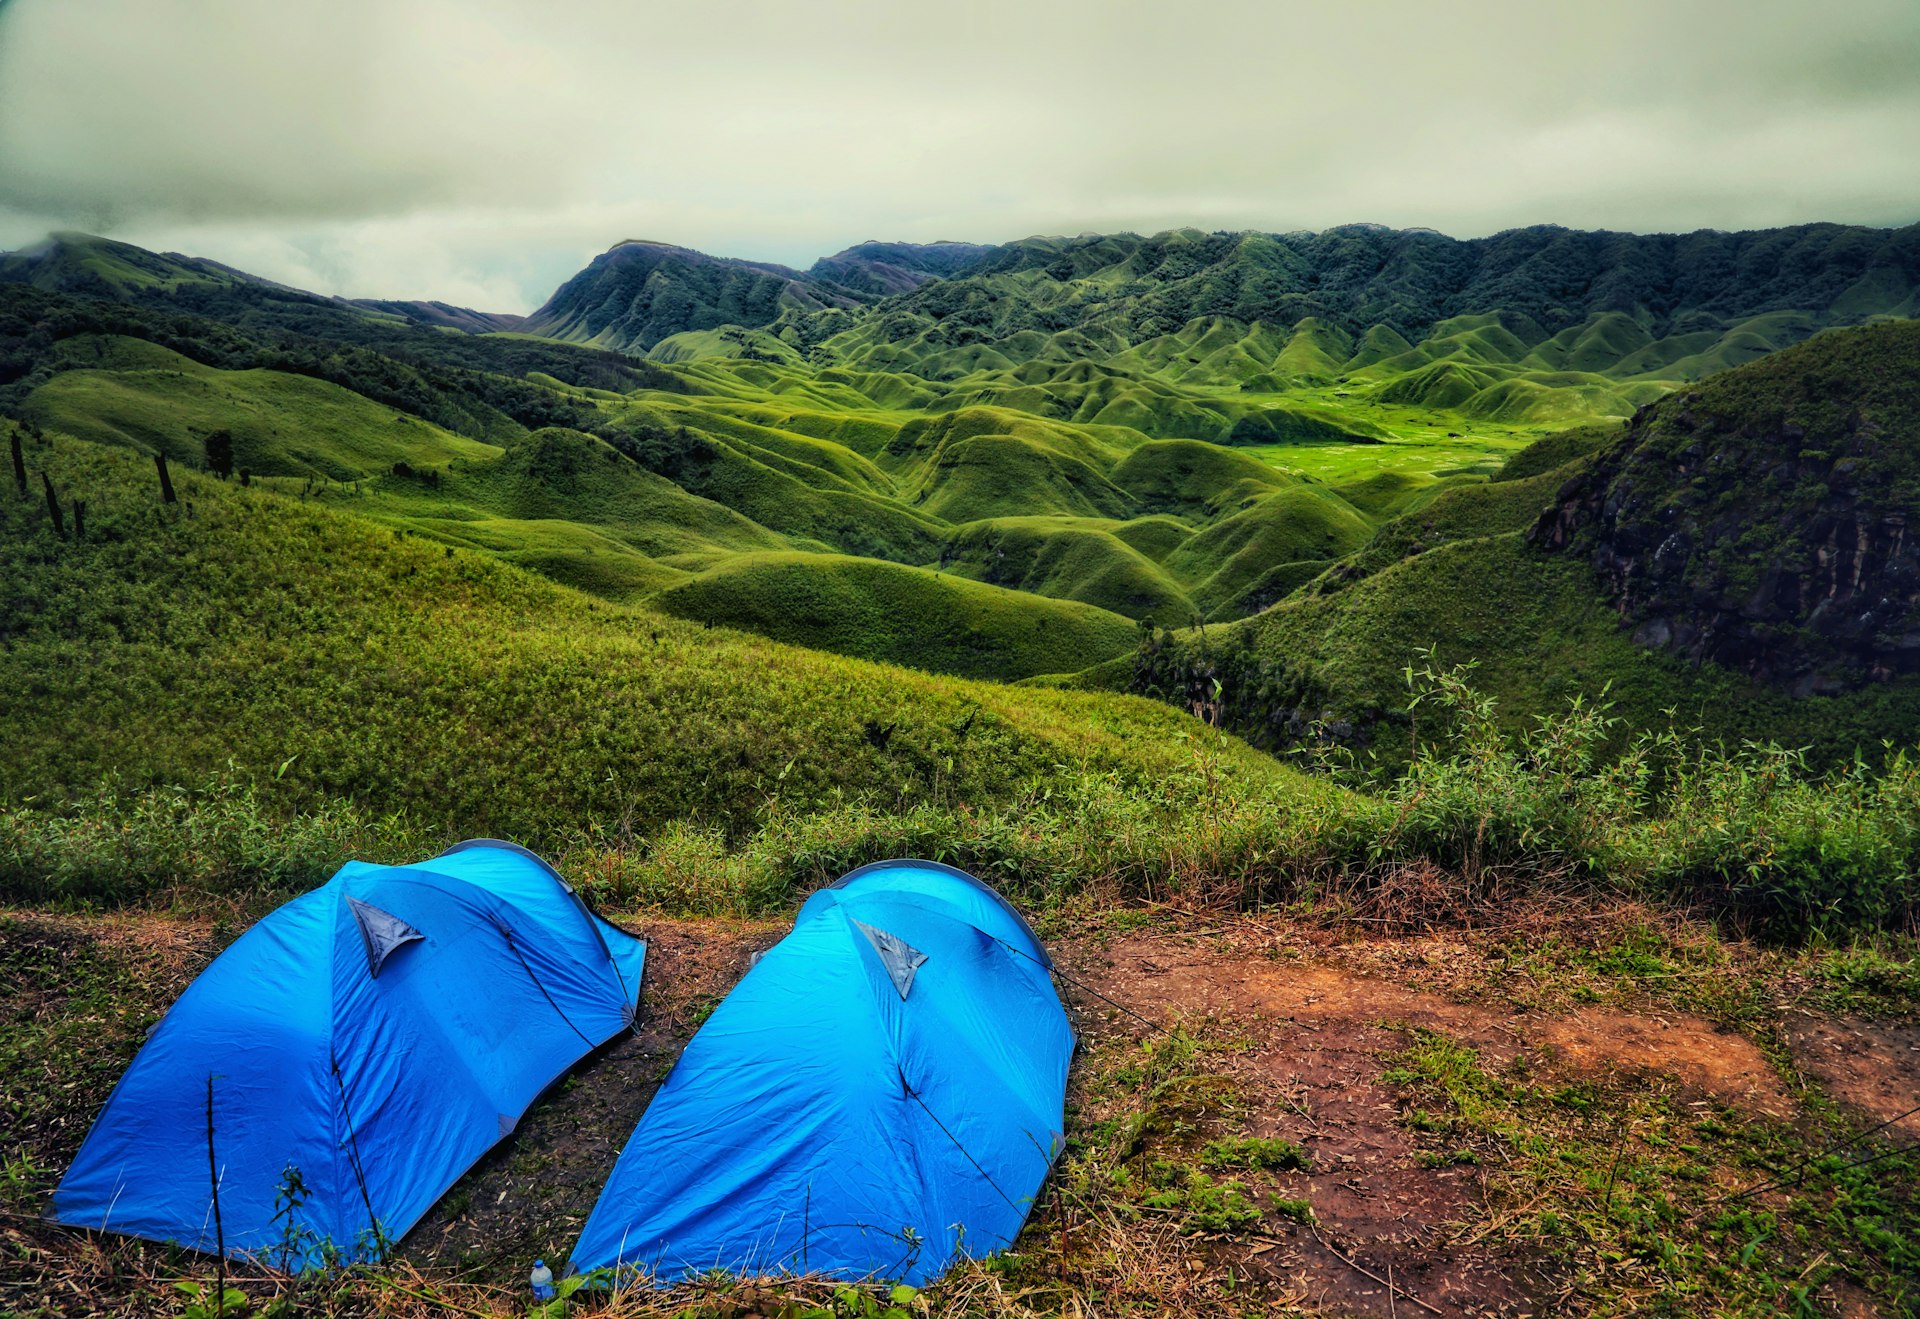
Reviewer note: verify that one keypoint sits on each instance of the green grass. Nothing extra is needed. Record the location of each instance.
(1057, 430)
(1072, 559)
(887, 611)
(1302, 523)
(414, 676)
(397, 689)
(1462, 509)
(1186, 478)
(1540, 633)
(282, 425)
(1557, 451)
(1624, 1185)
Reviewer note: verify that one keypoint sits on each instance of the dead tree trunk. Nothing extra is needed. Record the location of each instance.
(53, 507)
(19, 466)
(166, 482)
(79, 519)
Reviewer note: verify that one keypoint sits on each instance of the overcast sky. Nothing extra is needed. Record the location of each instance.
(479, 151)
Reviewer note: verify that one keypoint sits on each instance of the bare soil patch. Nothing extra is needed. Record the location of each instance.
(1319, 1037)
(1303, 1024)
(529, 1197)
(1870, 1064)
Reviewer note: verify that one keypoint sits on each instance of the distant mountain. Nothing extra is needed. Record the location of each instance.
(445, 315)
(1360, 276)
(883, 269)
(1622, 306)
(88, 266)
(1534, 325)
(99, 267)
(930, 476)
(1737, 561)
(637, 293)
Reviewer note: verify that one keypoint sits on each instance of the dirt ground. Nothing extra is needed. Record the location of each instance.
(529, 1197)
(1320, 1037)
(1319, 1020)
(1867, 1064)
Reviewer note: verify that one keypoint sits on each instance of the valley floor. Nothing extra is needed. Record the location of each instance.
(1565, 1112)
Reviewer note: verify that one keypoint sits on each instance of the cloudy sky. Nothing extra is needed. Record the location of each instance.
(479, 151)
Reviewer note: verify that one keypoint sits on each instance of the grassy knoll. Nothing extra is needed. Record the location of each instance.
(1300, 524)
(280, 425)
(397, 689)
(1080, 559)
(888, 611)
(1537, 629)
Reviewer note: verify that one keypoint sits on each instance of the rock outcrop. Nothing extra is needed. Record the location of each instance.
(1768, 520)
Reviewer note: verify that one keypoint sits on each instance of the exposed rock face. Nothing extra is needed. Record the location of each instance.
(1768, 521)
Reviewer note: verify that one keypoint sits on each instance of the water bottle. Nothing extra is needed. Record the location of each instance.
(542, 1281)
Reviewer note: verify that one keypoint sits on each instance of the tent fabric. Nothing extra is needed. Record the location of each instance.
(838, 1116)
(381, 932)
(377, 1034)
(900, 958)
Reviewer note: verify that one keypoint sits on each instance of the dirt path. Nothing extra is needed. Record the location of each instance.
(1870, 1065)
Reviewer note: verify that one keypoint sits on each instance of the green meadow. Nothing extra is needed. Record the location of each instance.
(1158, 467)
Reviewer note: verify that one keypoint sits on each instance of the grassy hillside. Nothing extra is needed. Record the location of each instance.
(1296, 525)
(1530, 327)
(998, 468)
(1760, 520)
(1108, 564)
(887, 611)
(368, 663)
(638, 293)
(1331, 663)
(149, 398)
(844, 583)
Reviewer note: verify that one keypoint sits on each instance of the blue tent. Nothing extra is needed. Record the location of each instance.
(882, 1095)
(377, 1035)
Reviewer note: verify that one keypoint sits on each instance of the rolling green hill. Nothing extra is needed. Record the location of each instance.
(1734, 562)
(887, 611)
(150, 398)
(637, 293)
(997, 461)
(1760, 520)
(261, 628)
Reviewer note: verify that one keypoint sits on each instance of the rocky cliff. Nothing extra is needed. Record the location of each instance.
(1766, 520)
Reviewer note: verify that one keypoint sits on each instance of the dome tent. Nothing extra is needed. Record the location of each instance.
(881, 1096)
(351, 1055)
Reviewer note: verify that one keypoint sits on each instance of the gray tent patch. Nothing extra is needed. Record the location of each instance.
(381, 932)
(900, 958)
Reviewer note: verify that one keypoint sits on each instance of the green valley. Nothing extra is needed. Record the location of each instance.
(1081, 435)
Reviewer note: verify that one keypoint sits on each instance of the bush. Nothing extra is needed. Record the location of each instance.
(219, 839)
(1477, 816)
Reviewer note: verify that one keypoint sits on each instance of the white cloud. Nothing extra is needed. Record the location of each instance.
(480, 150)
